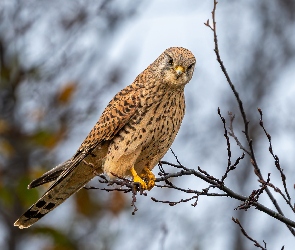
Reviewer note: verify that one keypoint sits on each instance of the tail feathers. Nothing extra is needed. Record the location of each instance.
(51, 175)
(62, 189)
(77, 172)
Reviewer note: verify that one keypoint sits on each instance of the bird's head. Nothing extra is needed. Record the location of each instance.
(176, 66)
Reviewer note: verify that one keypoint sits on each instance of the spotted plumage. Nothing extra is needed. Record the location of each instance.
(133, 133)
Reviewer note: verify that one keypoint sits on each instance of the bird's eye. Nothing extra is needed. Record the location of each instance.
(170, 62)
(189, 67)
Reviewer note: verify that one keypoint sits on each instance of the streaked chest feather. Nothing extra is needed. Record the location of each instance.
(153, 128)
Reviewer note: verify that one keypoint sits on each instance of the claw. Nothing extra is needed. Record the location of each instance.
(137, 179)
(149, 178)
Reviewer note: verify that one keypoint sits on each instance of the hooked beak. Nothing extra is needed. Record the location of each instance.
(179, 70)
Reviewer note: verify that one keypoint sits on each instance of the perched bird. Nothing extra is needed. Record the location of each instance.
(132, 135)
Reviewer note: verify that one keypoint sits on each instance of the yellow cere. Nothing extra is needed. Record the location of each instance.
(179, 69)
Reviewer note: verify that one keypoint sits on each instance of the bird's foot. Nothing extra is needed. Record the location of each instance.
(149, 178)
(137, 179)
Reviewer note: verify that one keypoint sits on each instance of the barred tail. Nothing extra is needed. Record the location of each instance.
(76, 173)
(51, 175)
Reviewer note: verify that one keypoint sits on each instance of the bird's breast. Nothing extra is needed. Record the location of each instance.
(154, 126)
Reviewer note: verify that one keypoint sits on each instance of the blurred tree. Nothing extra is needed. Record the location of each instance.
(42, 44)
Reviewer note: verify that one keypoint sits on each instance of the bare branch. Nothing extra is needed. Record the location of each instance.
(232, 134)
(243, 114)
(277, 164)
(125, 185)
(230, 167)
(247, 236)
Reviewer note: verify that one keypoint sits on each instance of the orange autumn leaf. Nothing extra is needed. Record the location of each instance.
(66, 92)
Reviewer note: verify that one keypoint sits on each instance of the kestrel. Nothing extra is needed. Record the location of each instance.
(132, 135)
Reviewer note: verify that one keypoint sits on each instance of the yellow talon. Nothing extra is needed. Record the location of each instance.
(137, 179)
(149, 178)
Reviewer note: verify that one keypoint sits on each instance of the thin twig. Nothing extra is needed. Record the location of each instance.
(125, 185)
(235, 220)
(230, 166)
(277, 164)
(232, 134)
(227, 139)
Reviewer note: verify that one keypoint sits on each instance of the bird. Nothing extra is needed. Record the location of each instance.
(132, 135)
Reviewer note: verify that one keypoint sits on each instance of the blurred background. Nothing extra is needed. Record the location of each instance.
(62, 61)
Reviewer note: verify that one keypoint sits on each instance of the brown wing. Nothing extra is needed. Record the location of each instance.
(115, 116)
